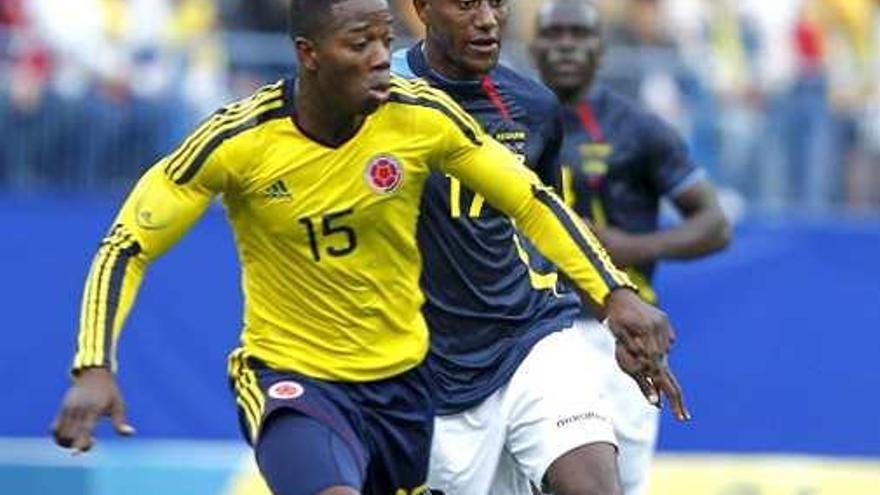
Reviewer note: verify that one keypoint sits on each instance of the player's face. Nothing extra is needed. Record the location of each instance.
(352, 58)
(568, 45)
(467, 33)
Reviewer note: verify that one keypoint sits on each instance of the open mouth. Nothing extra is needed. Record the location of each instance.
(484, 45)
(380, 91)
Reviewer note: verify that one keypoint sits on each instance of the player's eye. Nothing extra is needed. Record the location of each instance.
(550, 32)
(359, 45)
(580, 32)
(497, 3)
(468, 4)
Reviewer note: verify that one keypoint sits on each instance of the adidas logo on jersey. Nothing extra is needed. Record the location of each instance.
(278, 190)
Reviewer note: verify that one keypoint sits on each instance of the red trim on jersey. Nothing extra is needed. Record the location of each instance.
(585, 113)
(495, 97)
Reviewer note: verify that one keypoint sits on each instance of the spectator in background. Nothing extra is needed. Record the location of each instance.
(849, 32)
(406, 22)
(117, 69)
(203, 81)
(90, 42)
(618, 163)
(255, 15)
(808, 144)
(774, 63)
(728, 43)
(23, 107)
(645, 63)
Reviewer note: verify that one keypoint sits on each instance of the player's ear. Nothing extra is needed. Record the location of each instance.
(533, 50)
(536, 49)
(422, 6)
(306, 53)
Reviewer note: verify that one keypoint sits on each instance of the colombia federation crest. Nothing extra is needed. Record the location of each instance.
(384, 174)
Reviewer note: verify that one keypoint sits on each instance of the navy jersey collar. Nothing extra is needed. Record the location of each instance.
(597, 94)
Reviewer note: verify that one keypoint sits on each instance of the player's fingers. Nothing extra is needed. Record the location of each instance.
(60, 429)
(648, 388)
(663, 332)
(83, 443)
(640, 365)
(119, 420)
(670, 387)
(632, 339)
(636, 368)
(672, 335)
(657, 340)
(83, 439)
(66, 425)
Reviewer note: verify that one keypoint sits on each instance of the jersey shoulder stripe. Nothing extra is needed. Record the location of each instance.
(410, 96)
(224, 115)
(267, 104)
(422, 88)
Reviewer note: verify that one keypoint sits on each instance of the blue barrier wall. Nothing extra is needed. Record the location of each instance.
(777, 337)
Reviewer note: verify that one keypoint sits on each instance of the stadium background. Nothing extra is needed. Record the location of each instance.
(778, 336)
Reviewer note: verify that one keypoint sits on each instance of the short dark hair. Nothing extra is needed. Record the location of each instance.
(306, 18)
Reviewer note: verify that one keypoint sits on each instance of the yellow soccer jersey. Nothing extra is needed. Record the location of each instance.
(326, 236)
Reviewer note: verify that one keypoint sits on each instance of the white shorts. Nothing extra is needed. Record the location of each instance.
(550, 406)
(635, 420)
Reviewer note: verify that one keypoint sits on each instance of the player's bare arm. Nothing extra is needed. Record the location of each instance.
(704, 230)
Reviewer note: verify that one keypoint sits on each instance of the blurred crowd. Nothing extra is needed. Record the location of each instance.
(779, 99)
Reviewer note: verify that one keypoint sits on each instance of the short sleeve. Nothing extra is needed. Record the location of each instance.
(671, 168)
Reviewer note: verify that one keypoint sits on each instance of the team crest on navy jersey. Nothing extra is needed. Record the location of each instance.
(384, 174)
(594, 162)
(286, 390)
(511, 134)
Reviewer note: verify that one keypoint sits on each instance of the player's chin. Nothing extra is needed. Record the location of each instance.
(481, 64)
(370, 105)
(566, 81)
(375, 98)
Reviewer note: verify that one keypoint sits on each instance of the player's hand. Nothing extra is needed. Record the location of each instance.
(652, 386)
(94, 394)
(644, 336)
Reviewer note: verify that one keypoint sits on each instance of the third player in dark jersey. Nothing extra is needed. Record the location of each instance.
(515, 407)
(619, 161)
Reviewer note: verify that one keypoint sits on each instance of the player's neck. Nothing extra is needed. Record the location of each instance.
(321, 120)
(441, 63)
(571, 97)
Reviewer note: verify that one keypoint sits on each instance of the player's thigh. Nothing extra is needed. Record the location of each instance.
(587, 470)
(299, 455)
(299, 427)
(555, 403)
(635, 420)
(398, 416)
(467, 449)
(590, 469)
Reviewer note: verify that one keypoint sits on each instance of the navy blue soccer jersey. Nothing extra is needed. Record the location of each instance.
(618, 162)
(489, 295)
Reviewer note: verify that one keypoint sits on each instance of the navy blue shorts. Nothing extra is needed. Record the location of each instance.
(311, 434)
